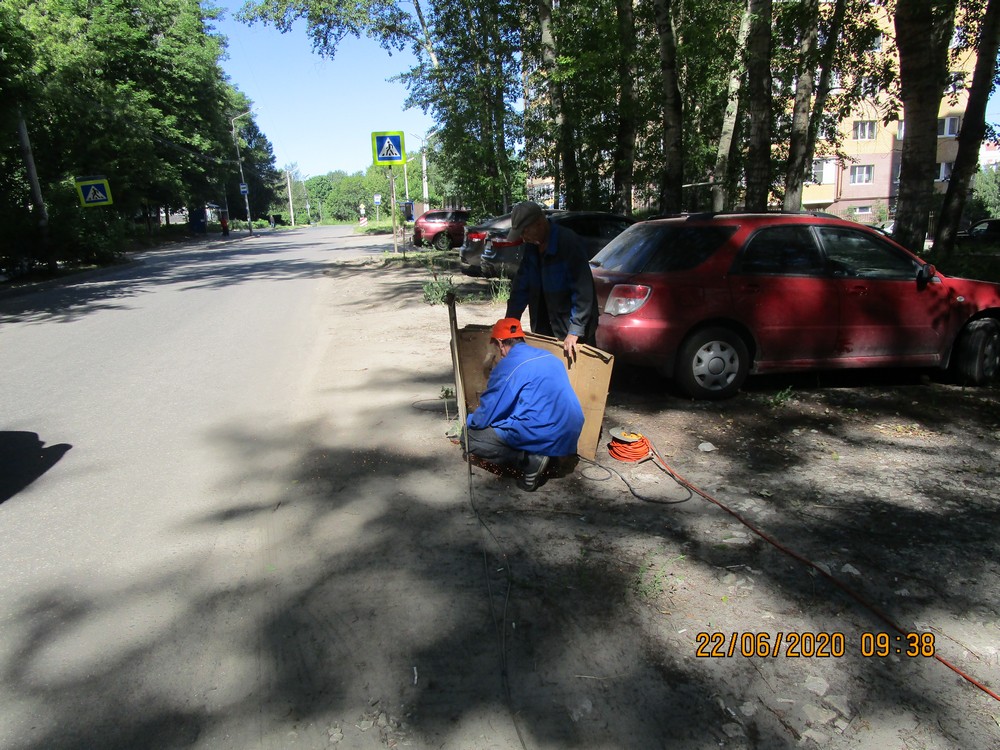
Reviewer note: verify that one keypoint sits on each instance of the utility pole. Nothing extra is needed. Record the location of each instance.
(36, 188)
(288, 182)
(246, 196)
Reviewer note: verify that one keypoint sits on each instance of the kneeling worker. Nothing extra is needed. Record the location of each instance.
(528, 412)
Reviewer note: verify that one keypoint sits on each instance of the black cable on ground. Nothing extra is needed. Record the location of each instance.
(499, 624)
(637, 450)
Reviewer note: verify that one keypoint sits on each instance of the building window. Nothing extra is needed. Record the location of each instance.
(823, 171)
(944, 170)
(863, 174)
(863, 210)
(947, 126)
(876, 44)
(864, 130)
(899, 131)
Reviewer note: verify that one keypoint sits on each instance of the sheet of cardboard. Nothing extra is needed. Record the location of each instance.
(590, 377)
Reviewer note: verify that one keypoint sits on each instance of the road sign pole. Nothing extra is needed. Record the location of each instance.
(392, 207)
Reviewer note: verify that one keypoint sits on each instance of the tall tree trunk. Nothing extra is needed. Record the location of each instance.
(548, 45)
(923, 32)
(37, 201)
(627, 107)
(426, 41)
(798, 145)
(720, 193)
(673, 157)
(759, 106)
(567, 155)
(970, 137)
(825, 76)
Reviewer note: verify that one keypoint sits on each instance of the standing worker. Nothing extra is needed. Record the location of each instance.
(553, 281)
(528, 413)
(224, 222)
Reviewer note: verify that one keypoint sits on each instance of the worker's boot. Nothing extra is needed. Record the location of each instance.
(534, 466)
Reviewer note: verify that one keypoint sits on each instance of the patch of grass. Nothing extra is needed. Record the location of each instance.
(650, 582)
(499, 290)
(781, 398)
(436, 290)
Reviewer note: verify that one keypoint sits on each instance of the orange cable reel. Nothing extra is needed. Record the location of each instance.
(629, 446)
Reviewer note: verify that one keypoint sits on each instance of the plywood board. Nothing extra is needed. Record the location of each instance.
(590, 377)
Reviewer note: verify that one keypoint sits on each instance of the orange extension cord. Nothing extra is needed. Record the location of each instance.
(638, 448)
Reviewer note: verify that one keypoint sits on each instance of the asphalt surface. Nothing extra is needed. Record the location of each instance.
(193, 525)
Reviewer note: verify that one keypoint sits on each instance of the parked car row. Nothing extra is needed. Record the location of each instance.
(487, 251)
(709, 299)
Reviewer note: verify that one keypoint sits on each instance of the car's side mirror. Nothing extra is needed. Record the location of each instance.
(926, 274)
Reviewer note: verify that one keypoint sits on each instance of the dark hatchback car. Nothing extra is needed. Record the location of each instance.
(442, 229)
(500, 257)
(471, 252)
(709, 299)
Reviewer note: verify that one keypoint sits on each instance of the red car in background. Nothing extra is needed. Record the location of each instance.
(709, 299)
(442, 229)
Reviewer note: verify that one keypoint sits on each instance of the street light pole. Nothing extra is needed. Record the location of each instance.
(423, 164)
(239, 159)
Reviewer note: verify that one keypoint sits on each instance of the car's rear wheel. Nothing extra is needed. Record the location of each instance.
(712, 363)
(442, 241)
(977, 352)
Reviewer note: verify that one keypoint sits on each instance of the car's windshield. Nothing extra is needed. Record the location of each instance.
(659, 248)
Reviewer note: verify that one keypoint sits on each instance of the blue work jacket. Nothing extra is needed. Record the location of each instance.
(530, 403)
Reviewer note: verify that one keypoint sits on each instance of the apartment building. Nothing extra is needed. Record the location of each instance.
(864, 183)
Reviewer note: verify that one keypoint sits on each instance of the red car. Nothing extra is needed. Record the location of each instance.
(709, 299)
(443, 229)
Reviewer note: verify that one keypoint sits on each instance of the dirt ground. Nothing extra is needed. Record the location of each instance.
(847, 511)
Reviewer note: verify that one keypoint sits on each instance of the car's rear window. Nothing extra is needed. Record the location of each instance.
(661, 248)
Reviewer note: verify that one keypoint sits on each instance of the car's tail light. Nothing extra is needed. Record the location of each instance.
(475, 236)
(626, 298)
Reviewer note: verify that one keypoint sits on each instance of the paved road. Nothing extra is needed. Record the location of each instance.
(175, 498)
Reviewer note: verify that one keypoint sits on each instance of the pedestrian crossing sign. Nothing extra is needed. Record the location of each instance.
(93, 191)
(388, 148)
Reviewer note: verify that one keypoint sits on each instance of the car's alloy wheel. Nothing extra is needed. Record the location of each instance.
(712, 363)
(977, 352)
(442, 241)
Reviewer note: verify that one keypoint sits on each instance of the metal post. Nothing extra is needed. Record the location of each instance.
(291, 206)
(423, 164)
(392, 182)
(246, 196)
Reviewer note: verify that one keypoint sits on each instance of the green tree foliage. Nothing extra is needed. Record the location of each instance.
(466, 76)
(615, 102)
(985, 200)
(128, 89)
